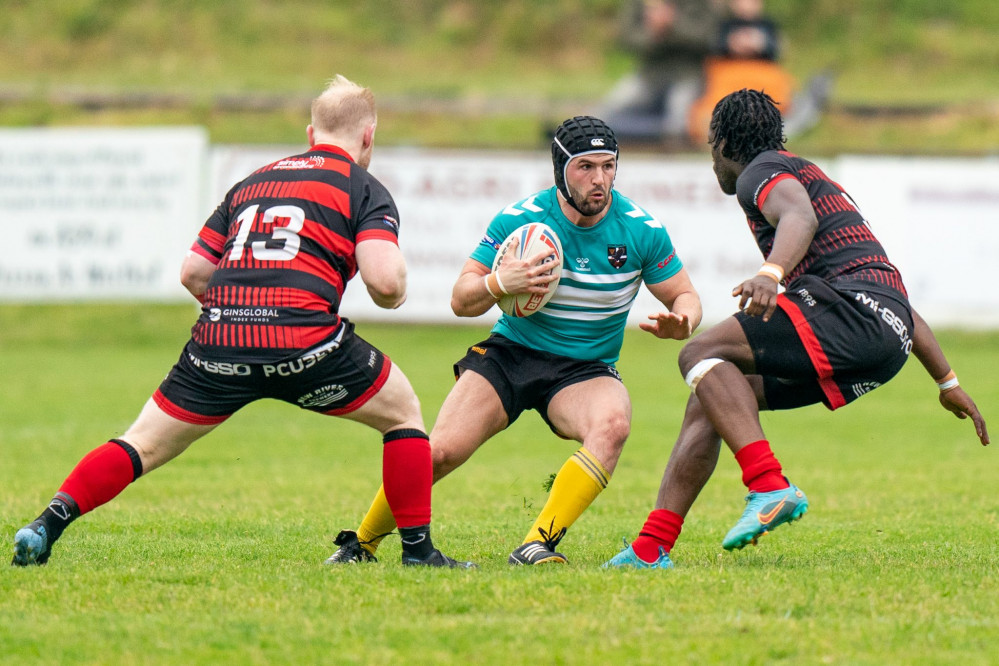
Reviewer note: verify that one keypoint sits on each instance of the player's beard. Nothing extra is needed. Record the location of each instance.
(589, 207)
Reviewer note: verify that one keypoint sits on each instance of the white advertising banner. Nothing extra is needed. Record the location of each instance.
(936, 218)
(109, 214)
(446, 200)
(91, 214)
(939, 222)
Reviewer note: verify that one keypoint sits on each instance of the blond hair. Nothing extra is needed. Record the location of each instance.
(344, 107)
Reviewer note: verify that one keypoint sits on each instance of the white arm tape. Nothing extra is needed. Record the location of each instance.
(949, 384)
(485, 280)
(700, 369)
(499, 283)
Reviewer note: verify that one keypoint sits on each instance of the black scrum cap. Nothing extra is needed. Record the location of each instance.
(580, 135)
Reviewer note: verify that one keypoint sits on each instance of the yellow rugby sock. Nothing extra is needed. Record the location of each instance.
(378, 522)
(576, 485)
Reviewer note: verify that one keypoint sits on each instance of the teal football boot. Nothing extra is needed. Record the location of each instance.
(31, 545)
(764, 512)
(629, 559)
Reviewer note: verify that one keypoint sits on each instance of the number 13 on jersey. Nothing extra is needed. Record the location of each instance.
(284, 223)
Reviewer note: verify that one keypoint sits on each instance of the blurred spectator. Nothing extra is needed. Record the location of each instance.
(748, 32)
(745, 55)
(691, 54)
(672, 39)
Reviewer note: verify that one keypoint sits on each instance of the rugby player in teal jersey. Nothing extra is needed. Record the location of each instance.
(560, 360)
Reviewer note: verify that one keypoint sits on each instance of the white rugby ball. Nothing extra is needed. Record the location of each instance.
(533, 238)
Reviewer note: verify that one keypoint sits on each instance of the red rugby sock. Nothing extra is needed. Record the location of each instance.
(660, 530)
(761, 471)
(101, 475)
(408, 474)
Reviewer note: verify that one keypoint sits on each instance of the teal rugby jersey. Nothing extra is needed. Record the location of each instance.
(603, 267)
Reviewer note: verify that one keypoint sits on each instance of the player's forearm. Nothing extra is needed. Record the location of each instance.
(383, 270)
(679, 296)
(794, 235)
(195, 273)
(387, 285)
(689, 303)
(197, 288)
(470, 296)
(387, 288)
(389, 300)
(926, 348)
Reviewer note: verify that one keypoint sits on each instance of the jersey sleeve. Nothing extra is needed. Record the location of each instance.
(497, 231)
(661, 261)
(374, 211)
(213, 235)
(759, 178)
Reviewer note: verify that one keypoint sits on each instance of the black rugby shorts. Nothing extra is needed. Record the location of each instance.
(526, 378)
(334, 378)
(828, 344)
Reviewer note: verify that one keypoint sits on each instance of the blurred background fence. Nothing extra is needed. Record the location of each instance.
(124, 121)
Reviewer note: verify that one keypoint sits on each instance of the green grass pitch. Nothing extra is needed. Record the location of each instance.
(217, 557)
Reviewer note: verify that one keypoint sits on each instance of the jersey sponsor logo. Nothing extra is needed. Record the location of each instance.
(489, 241)
(581, 263)
(241, 315)
(664, 262)
(479, 350)
(301, 163)
(617, 255)
(761, 186)
(890, 319)
(300, 364)
(220, 367)
(391, 222)
(323, 396)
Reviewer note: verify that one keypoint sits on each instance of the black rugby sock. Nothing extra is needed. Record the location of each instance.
(416, 541)
(57, 516)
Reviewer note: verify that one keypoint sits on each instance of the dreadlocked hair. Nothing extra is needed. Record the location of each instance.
(748, 122)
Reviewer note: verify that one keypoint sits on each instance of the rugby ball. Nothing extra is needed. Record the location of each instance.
(533, 238)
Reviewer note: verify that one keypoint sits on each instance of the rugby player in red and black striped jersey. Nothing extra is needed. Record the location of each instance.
(842, 327)
(270, 267)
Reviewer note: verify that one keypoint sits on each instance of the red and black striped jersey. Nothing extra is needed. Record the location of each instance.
(283, 243)
(843, 249)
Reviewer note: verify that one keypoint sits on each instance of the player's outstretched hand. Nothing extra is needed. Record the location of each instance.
(668, 325)
(960, 403)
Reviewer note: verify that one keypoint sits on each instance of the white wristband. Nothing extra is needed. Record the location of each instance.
(771, 270)
(949, 384)
(499, 283)
(485, 280)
